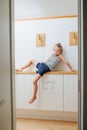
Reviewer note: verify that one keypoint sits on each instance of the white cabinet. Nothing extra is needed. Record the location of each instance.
(24, 89)
(51, 92)
(71, 93)
(49, 96)
(57, 92)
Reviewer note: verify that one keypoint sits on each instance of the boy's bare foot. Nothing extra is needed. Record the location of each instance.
(18, 70)
(32, 100)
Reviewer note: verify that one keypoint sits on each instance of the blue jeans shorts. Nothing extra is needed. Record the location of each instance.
(42, 68)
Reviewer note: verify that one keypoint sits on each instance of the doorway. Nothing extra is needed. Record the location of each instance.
(10, 119)
(22, 28)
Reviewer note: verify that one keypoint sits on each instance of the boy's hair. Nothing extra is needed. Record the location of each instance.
(59, 46)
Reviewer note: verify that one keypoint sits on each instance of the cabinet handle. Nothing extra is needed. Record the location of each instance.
(2, 102)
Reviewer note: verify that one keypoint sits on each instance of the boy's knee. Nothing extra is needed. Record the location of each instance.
(34, 82)
(31, 60)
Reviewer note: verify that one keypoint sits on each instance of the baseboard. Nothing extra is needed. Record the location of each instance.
(47, 115)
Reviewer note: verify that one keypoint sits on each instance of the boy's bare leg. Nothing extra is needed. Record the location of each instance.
(32, 61)
(35, 88)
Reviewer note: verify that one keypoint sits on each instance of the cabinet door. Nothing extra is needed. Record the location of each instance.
(51, 92)
(24, 90)
(71, 93)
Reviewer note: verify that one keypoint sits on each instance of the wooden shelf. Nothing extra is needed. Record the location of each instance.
(52, 72)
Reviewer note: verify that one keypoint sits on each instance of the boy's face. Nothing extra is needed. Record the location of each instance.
(56, 51)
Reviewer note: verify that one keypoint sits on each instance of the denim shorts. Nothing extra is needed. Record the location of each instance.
(42, 68)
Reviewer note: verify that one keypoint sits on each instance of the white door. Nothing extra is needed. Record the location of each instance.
(51, 92)
(24, 91)
(6, 103)
(71, 93)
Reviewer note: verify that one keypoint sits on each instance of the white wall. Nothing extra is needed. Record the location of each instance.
(45, 8)
(56, 30)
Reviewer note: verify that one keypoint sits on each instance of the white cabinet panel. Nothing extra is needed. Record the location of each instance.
(71, 93)
(55, 92)
(24, 90)
(51, 92)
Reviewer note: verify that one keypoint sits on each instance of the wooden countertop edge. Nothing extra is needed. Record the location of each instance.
(52, 72)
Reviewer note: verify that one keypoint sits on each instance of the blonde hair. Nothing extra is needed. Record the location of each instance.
(59, 46)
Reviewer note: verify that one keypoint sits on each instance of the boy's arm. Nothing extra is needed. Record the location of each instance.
(67, 63)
